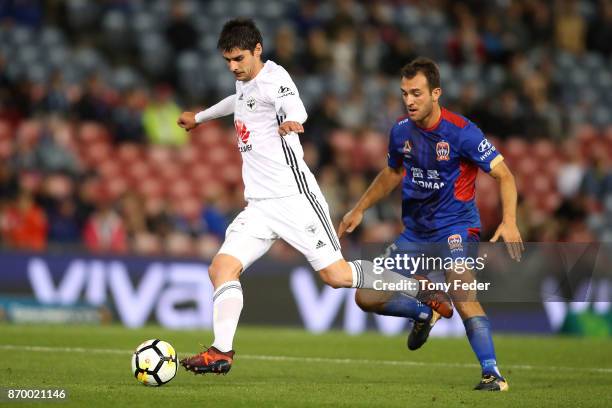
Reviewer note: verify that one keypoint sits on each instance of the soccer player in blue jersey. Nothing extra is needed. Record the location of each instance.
(435, 154)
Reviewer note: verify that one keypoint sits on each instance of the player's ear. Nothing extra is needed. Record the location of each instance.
(436, 93)
(258, 50)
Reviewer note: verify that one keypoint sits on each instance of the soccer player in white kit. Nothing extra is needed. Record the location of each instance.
(284, 199)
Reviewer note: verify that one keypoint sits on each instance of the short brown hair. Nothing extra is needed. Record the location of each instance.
(425, 66)
(241, 33)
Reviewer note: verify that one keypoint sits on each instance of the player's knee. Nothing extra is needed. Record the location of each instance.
(369, 300)
(331, 278)
(469, 309)
(362, 300)
(223, 269)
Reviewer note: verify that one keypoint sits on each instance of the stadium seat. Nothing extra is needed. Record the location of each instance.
(543, 150)
(514, 149)
(145, 243)
(6, 130)
(129, 153)
(151, 188)
(178, 244)
(109, 169)
(6, 149)
(116, 187)
(180, 190)
(97, 152)
(207, 246)
(200, 173)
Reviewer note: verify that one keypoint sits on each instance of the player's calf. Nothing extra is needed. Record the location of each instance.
(361, 274)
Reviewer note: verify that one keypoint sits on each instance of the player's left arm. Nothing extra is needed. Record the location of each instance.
(476, 148)
(508, 229)
(287, 100)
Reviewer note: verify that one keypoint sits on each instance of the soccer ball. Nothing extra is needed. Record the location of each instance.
(154, 362)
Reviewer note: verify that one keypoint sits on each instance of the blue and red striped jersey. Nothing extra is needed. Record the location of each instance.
(440, 167)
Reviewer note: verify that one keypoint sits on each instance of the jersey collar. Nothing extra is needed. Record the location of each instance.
(435, 125)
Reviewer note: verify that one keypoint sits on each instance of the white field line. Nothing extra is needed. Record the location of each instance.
(45, 349)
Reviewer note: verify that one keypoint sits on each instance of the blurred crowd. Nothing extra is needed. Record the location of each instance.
(90, 155)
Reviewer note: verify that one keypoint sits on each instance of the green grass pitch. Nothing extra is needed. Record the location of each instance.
(291, 368)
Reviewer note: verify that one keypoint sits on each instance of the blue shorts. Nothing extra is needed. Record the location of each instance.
(435, 250)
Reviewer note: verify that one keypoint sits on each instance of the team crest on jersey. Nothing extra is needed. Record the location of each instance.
(455, 243)
(251, 104)
(442, 151)
(407, 147)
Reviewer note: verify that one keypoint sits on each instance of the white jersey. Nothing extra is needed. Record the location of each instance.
(272, 165)
(284, 198)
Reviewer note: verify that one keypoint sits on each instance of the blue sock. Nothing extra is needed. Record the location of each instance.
(406, 306)
(478, 330)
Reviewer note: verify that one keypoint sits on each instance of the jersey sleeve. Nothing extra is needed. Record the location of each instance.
(394, 158)
(222, 108)
(286, 98)
(476, 148)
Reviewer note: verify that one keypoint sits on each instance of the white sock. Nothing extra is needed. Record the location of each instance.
(365, 277)
(227, 305)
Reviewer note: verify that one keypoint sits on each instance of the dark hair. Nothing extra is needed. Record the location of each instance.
(241, 33)
(425, 66)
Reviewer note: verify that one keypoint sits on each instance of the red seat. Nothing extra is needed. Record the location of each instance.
(231, 174)
(116, 187)
(6, 149)
(6, 130)
(109, 168)
(342, 141)
(97, 152)
(129, 153)
(29, 132)
(160, 156)
(180, 189)
(151, 187)
(188, 155)
(91, 132)
(544, 150)
(139, 171)
(515, 148)
(200, 173)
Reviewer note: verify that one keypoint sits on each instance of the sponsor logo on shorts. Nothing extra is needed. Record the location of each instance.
(320, 244)
(442, 151)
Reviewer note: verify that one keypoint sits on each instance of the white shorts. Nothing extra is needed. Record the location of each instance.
(300, 220)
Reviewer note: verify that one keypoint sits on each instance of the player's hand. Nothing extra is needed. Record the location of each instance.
(287, 127)
(512, 237)
(187, 121)
(350, 221)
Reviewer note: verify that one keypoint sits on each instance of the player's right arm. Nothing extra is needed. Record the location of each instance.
(384, 183)
(190, 120)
